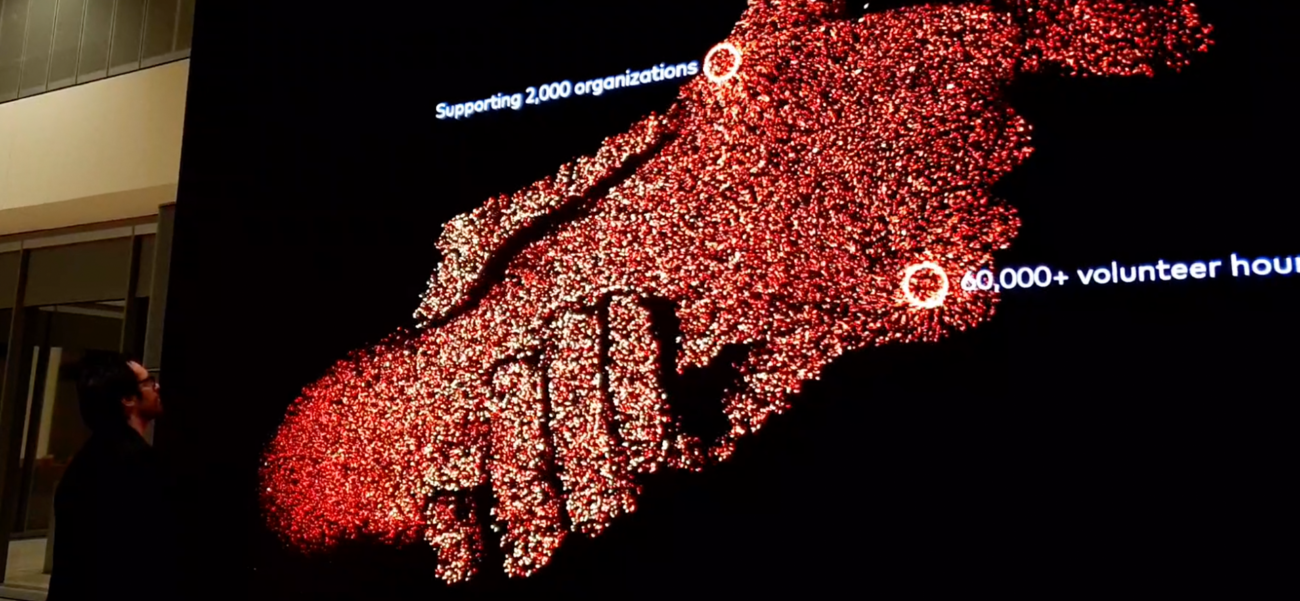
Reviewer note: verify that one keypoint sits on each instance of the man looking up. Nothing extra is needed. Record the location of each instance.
(112, 512)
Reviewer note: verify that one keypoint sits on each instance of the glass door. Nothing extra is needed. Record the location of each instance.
(57, 338)
(62, 336)
(64, 318)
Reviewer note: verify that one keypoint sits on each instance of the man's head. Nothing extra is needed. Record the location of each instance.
(115, 390)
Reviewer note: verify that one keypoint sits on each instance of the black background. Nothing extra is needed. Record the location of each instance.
(1109, 440)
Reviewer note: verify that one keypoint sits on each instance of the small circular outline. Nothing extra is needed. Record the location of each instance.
(935, 301)
(724, 78)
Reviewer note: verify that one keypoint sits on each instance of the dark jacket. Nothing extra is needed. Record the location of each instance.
(113, 523)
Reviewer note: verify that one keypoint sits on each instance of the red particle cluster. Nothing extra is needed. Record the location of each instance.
(808, 195)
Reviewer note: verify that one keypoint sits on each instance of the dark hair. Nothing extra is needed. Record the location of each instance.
(103, 380)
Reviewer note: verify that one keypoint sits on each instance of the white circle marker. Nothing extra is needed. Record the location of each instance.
(937, 299)
(735, 66)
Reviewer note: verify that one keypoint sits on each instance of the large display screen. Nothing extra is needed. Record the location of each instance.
(745, 297)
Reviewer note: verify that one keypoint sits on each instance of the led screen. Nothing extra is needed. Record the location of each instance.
(610, 258)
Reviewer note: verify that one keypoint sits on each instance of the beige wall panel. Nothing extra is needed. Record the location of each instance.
(106, 150)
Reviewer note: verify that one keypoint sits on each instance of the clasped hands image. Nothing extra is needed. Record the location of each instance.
(817, 189)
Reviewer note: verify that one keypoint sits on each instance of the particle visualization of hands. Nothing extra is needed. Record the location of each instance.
(809, 194)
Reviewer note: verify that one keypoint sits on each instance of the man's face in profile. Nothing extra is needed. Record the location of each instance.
(149, 403)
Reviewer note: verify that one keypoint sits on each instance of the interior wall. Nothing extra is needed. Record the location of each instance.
(105, 150)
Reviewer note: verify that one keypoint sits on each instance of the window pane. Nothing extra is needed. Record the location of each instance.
(144, 283)
(67, 36)
(94, 40)
(8, 279)
(128, 26)
(13, 25)
(36, 53)
(75, 331)
(6, 316)
(185, 31)
(77, 273)
(160, 28)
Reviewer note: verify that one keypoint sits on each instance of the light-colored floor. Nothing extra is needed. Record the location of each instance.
(26, 562)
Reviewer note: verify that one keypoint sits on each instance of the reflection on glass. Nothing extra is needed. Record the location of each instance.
(61, 337)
